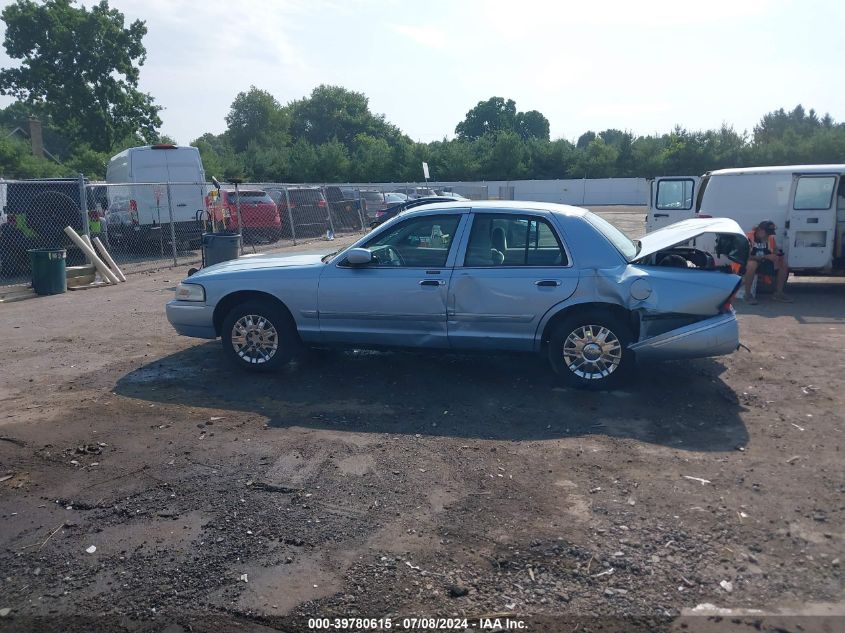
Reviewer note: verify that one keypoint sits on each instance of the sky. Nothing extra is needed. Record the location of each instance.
(639, 66)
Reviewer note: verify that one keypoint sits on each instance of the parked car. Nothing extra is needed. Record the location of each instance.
(375, 201)
(308, 208)
(414, 193)
(450, 194)
(260, 215)
(384, 215)
(345, 207)
(496, 276)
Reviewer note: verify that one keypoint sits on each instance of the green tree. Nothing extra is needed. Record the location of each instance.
(585, 139)
(499, 115)
(81, 67)
(332, 162)
(17, 161)
(598, 160)
(333, 112)
(491, 116)
(532, 124)
(256, 116)
(303, 162)
(507, 158)
(372, 160)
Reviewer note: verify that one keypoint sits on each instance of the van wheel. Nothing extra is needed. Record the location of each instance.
(589, 350)
(259, 336)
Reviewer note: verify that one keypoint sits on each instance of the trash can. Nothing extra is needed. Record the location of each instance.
(220, 247)
(49, 276)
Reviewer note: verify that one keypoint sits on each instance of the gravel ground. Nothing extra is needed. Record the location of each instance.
(144, 485)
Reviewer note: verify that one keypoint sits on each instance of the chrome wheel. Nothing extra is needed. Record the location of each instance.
(592, 352)
(254, 339)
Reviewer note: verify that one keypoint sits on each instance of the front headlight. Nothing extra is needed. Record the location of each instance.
(190, 292)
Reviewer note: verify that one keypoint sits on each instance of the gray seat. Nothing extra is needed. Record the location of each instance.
(499, 246)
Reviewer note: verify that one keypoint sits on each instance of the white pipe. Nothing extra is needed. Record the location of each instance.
(87, 240)
(104, 271)
(112, 264)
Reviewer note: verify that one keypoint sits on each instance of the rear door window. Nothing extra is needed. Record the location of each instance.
(513, 240)
(305, 196)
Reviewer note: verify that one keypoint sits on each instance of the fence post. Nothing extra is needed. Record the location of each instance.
(328, 209)
(290, 216)
(172, 227)
(238, 209)
(360, 205)
(83, 206)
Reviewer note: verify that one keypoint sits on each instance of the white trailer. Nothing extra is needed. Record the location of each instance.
(806, 203)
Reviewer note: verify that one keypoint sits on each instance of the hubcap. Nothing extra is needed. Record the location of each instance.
(254, 339)
(592, 352)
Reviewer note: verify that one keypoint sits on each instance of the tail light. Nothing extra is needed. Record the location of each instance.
(133, 211)
(321, 204)
(726, 307)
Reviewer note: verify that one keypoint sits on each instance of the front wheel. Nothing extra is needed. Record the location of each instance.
(259, 336)
(589, 350)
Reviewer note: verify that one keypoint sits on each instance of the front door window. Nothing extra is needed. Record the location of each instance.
(422, 242)
(675, 194)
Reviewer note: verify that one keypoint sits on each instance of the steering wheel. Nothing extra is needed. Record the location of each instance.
(386, 255)
(394, 256)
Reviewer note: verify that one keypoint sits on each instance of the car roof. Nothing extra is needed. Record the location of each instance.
(780, 169)
(502, 205)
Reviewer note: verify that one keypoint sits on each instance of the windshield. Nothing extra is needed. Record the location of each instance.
(616, 237)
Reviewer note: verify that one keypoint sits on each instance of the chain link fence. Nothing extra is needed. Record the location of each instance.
(153, 225)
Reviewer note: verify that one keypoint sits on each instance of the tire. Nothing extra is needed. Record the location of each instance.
(280, 340)
(613, 360)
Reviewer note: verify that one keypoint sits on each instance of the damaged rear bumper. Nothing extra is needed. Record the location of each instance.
(711, 337)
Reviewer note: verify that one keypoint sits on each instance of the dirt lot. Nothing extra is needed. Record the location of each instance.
(393, 484)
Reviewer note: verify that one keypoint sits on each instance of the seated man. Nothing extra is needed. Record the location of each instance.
(765, 259)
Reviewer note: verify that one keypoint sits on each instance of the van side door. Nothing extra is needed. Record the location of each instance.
(671, 199)
(811, 221)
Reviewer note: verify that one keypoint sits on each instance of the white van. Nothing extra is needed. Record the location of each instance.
(806, 202)
(139, 211)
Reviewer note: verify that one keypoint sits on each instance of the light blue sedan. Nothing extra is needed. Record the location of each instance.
(485, 276)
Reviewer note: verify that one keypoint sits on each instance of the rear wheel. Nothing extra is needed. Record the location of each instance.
(259, 336)
(589, 350)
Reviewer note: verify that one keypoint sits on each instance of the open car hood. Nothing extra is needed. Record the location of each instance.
(686, 230)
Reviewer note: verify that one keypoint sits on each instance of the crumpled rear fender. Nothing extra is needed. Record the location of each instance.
(647, 291)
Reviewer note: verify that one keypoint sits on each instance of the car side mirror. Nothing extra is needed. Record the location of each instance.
(359, 256)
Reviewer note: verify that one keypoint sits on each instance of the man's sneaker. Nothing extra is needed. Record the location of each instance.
(779, 296)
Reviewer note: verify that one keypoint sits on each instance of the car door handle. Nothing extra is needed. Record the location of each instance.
(432, 282)
(661, 215)
(546, 283)
(182, 204)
